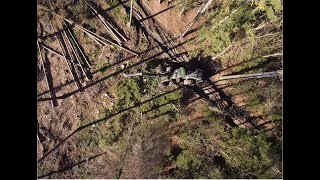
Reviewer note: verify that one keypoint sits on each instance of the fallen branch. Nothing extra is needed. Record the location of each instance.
(95, 40)
(199, 13)
(276, 170)
(107, 24)
(66, 60)
(260, 26)
(225, 154)
(102, 20)
(51, 50)
(78, 46)
(271, 55)
(224, 19)
(131, 4)
(220, 54)
(256, 75)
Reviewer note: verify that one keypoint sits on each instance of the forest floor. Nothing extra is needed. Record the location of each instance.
(63, 131)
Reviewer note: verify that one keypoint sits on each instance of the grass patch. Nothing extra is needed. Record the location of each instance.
(93, 54)
(104, 67)
(118, 11)
(112, 3)
(128, 94)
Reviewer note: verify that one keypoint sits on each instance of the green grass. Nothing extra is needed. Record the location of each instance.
(125, 17)
(255, 157)
(188, 161)
(93, 23)
(93, 54)
(104, 67)
(128, 93)
(128, 97)
(80, 11)
(112, 2)
(118, 11)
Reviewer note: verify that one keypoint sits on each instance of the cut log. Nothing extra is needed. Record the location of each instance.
(72, 56)
(92, 33)
(51, 50)
(131, 4)
(79, 48)
(76, 55)
(256, 75)
(66, 60)
(96, 35)
(108, 26)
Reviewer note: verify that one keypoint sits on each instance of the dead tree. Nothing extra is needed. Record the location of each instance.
(131, 4)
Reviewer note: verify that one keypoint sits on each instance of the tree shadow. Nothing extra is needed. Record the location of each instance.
(103, 119)
(104, 68)
(191, 31)
(50, 35)
(161, 105)
(268, 63)
(47, 65)
(161, 114)
(83, 55)
(69, 167)
(258, 66)
(151, 58)
(153, 15)
(220, 99)
(104, 14)
(233, 109)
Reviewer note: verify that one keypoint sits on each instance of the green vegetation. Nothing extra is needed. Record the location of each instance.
(206, 150)
(202, 145)
(131, 102)
(128, 94)
(113, 3)
(251, 30)
(263, 96)
(187, 161)
(118, 11)
(234, 20)
(80, 11)
(92, 23)
(104, 67)
(93, 54)
(186, 5)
